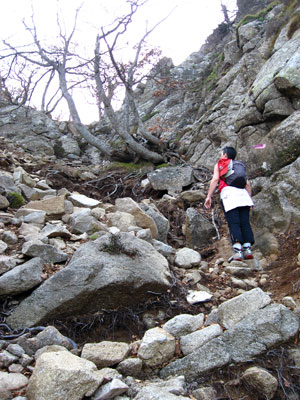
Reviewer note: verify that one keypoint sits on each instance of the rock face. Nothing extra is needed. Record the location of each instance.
(32, 124)
(253, 105)
(251, 7)
(107, 272)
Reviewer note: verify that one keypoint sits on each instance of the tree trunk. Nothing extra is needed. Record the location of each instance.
(142, 130)
(111, 115)
(82, 129)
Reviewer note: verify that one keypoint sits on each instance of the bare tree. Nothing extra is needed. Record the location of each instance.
(112, 116)
(57, 62)
(17, 71)
(72, 69)
(127, 75)
(226, 12)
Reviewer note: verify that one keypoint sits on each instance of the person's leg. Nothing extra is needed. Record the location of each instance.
(233, 221)
(247, 233)
(246, 230)
(234, 225)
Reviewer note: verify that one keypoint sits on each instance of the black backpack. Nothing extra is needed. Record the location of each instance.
(236, 176)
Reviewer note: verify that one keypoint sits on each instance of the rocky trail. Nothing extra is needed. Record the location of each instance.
(280, 277)
(284, 272)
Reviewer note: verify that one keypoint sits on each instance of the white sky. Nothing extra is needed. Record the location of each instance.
(181, 34)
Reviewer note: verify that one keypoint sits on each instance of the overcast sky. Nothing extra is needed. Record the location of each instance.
(183, 32)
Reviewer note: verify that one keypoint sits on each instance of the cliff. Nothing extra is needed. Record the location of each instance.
(241, 89)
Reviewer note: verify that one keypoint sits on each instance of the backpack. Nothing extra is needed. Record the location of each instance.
(233, 173)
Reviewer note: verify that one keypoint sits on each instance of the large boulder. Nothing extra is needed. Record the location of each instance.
(112, 271)
(62, 375)
(67, 145)
(248, 338)
(22, 278)
(198, 230)
(234, 310)
(162, 223)
(171, 179)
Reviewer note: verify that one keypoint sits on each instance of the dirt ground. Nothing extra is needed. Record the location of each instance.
(284, 273)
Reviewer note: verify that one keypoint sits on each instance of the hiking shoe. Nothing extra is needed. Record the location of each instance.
(247, 253)
(238, 255)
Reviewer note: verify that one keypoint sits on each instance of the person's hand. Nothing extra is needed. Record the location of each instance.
(207, 203)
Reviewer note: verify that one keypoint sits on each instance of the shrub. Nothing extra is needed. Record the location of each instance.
(162, 166)
(294, 25)
(149, 116)
(215, 74)
(95, 236)
(259, 16)
(16, 200)
(130, 166)
(58, 150)
(275, 26)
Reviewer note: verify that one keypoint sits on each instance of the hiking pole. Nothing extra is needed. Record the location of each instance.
(214, 223)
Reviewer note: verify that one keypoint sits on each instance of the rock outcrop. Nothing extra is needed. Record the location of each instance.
(105, 273)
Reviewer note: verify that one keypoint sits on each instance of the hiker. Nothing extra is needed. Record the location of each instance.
(235, 193)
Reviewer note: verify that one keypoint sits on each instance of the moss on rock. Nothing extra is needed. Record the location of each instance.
(16, 200)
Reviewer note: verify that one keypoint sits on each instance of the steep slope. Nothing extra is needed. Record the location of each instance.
(242, 89)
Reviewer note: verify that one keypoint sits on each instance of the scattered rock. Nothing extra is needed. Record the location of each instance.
(184, 324)
(199, 296)
(105, 354)
(261, 380)
(187, 258)
(157, 347)
(232, 311)
(51, 377)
